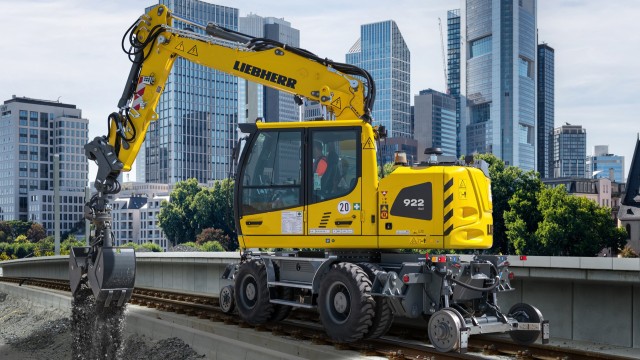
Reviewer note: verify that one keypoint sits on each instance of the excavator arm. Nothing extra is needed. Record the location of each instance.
(346, 91)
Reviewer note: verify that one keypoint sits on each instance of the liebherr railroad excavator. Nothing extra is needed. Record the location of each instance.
(313, 187)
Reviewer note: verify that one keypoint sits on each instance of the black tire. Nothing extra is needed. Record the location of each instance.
(527, 314)
(383, 318)
(345, 303)
(252, 293)
(227, 299)
(280, 312)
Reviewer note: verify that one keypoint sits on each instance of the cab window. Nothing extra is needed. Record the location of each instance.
(272, 177)
(334, 164)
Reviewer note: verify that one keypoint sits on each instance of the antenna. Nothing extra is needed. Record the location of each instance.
(444, 63)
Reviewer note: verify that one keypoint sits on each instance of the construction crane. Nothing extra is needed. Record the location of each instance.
(444, 63)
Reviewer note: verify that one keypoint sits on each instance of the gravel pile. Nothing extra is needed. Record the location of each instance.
(33, 332)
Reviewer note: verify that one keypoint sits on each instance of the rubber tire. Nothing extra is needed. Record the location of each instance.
(256, 310)
(280, 312)
(227, 299)
(525, 313)
(383, 318)
(360, 306)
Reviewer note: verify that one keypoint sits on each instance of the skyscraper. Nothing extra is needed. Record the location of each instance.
(257, 100)
(497, 79)
(453, 68)
(602, 164)
(31, 132)
(435, 122)
(195, 133)
(545, 110)
(569, 151)
(382, 51)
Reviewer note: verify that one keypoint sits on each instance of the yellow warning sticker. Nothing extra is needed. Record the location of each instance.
(193, 51)
(180, 46)
(337, 103)
(369, 144)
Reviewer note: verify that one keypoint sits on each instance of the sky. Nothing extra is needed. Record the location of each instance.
(69, 50)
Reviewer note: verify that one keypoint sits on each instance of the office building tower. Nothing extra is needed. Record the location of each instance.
(32, 131)
(569, 151)
(258, 101)
(601, 164)
(195, 133)
(453, 68)
(435, 122)
(545, 123)
(135, 214)
(497, 79)
(382, 51)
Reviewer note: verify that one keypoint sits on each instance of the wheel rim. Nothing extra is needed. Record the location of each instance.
(525, 313)
(225, 299)
(338, 303)
(444, 331)
(249, 292)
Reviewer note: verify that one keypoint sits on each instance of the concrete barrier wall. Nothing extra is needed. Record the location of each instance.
(588, 299)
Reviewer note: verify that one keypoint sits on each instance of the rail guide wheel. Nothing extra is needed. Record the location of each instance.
(444, 330)
(527, 314)
(227, 302)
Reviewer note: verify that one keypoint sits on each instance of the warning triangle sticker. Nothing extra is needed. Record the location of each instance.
(180, 46)
(462, 185)
(368, 144)
(193, 51)
(337, 103)
(384, 208)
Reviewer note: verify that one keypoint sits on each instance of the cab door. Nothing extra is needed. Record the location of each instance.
(271, 197)
(334, 194)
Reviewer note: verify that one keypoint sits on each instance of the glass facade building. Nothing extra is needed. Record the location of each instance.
(435, 122)
(602, 164)
(497, 79)
(545, 110)
(32, 131)
(453, 68)
(569, 151)
(257, 101)
(382, 51)
(195, 134)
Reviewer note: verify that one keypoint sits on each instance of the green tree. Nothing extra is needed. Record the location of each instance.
(68, 243)
(213, 246)
(192, 209)
(575, 226)
(19, 227)
(36, 232)
(151, 247)
(506, 181)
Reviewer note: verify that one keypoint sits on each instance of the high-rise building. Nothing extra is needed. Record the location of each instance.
(453, 68)
(195, 133)
(32, 131)
(569, 151)
(545, 110)
(602, 164)
(382, 51)
(497, 79)
(435, 122)
(258, 101)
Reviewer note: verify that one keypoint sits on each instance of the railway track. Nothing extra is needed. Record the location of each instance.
(401, 342)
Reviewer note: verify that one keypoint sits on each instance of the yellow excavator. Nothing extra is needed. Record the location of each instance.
(313, 188)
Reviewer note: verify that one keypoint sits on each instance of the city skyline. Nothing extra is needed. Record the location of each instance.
(594, 81)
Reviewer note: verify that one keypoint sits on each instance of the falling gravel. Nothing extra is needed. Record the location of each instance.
(31, 332)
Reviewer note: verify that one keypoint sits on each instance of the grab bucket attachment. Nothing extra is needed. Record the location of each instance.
(77, 266)
(112, 276)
